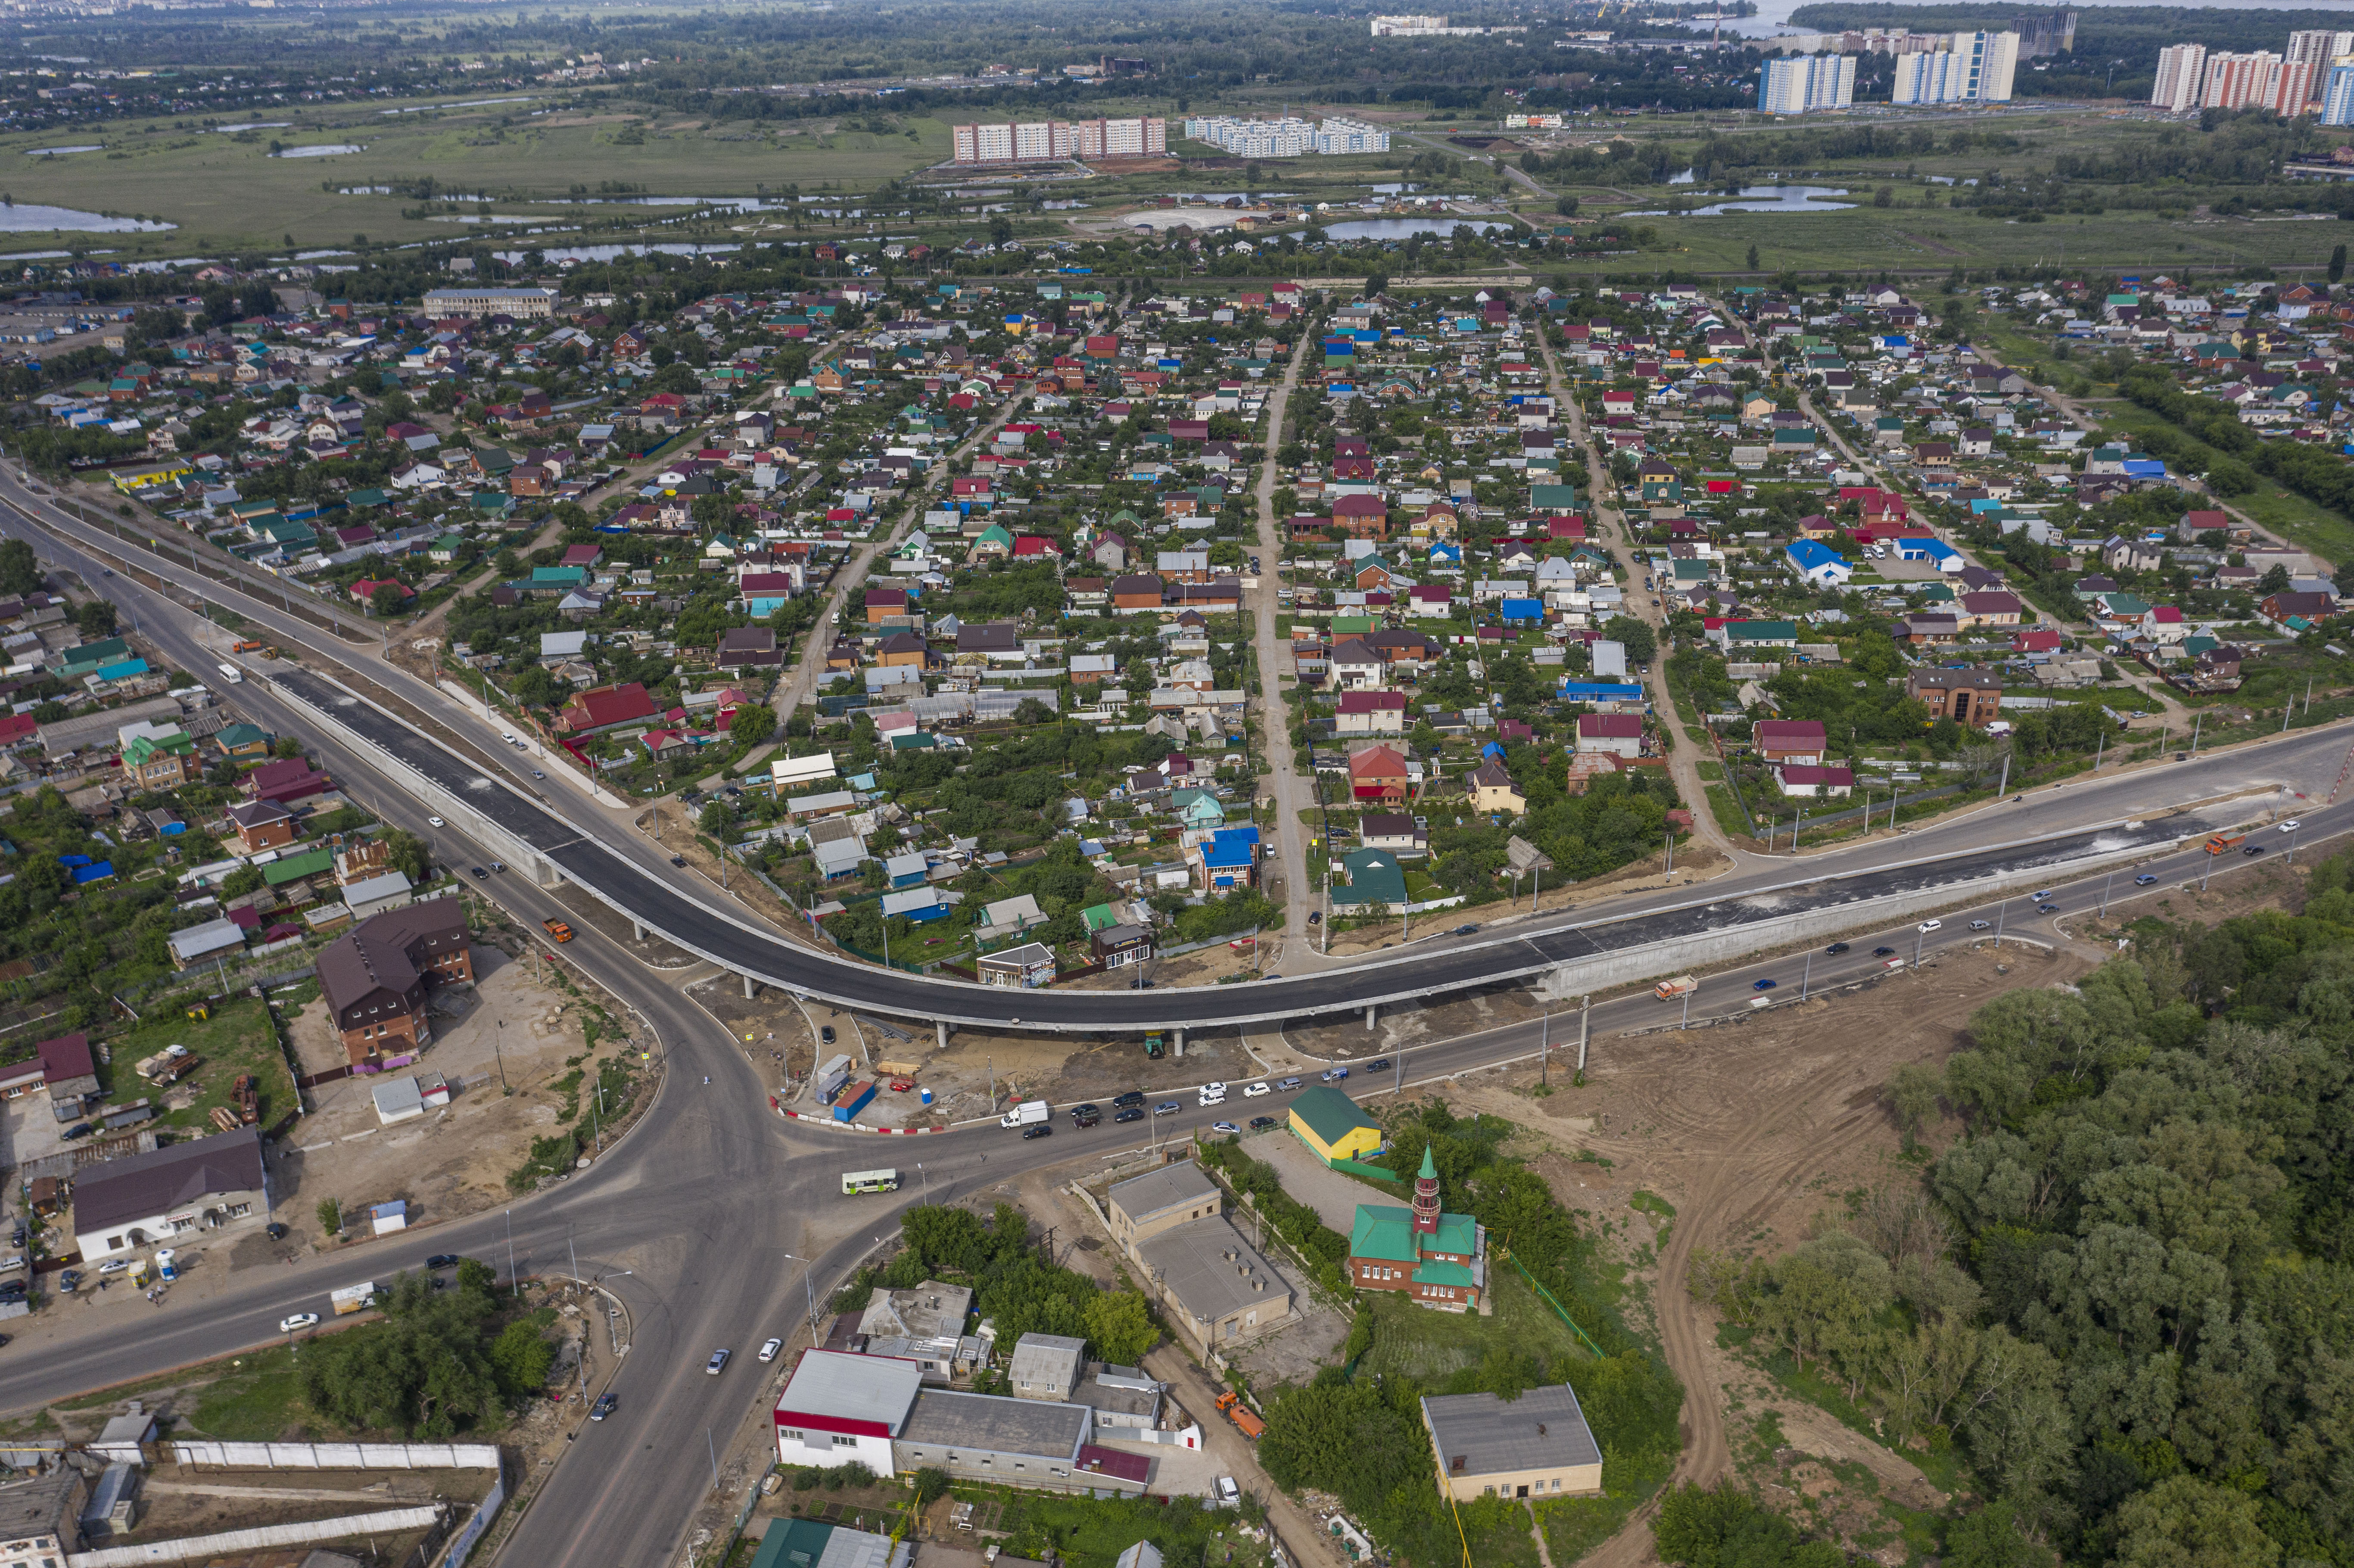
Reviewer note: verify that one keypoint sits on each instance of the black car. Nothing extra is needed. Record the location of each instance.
(1378, 1065)
(1316, 916)
(1836, 947)
(1261, 1123)
(1465, 930)
(1133, 1097)
(482, 875)
(442, 1260)
(18, 1236)
(274, 1231)
(1087, 1120)
(78, 1130)
(604, 1406)
(678, 860)
(1883, 952)
(826, 1033)
(1088, 1108)
(1044, 1130)
(1133, 1113)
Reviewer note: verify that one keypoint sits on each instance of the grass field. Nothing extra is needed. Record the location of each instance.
(226, 192)
(238, 1038)
(1414, 1342)
(2329, 534)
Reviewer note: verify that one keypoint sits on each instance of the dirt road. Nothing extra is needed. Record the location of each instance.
(1291, 792)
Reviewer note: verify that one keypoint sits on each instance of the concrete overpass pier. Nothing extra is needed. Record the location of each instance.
(750, 989)
(942, 1025)
(637, 930)
(1373, 1011)
(1177, 1040)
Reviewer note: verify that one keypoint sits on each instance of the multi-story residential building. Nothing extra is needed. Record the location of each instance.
(2319, 48)
(1976, 68)
(1037, 140)
(2338, 94)
(2181, 73)
(1285, 138)
(2260, 80)
(1799, 84)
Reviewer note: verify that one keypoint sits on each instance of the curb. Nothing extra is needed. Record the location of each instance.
(851, 1126)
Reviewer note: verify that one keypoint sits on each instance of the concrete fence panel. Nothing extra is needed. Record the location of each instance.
(198, 1547)
(338, 1456)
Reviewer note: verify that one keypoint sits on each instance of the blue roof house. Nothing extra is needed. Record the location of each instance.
(1817, 563)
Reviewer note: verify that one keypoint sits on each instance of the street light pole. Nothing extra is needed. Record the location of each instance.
(511, 1264)
(1919, 936)
(1806, 976)
(2106, 883)
(2000, 914)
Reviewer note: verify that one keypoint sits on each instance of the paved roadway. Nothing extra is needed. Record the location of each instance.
(691, 1219)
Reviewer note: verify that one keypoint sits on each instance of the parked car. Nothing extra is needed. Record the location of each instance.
(825, 1034)
(1223, 1126)
(1261, 1123)
(115, 1265)
(274, 1231)
(604, 1406)
(78, 1130)
(901, 1085)
(299, 1321)
(717, 1363)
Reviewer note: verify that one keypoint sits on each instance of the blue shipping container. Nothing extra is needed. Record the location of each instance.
(854, 1099)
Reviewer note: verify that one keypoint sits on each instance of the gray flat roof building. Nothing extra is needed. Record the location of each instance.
(1535, 1446)
(1219, 1289)
(982, 1436)
(1046, 1366)
(1143, 1206)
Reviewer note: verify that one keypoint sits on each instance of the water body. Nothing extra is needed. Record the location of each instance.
(253, 125)
(614, 253)
(61, 152)
(1766, 198)
(1438, 227)
(32, 217)
(327, 150)
(1773, 15)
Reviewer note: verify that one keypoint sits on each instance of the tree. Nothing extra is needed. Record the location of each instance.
(1635, 636)
(1991, 1538)
(2185, 1523)
(20, 568)
(94, 618)
(387, 598)
(331, 1213)
(2337, 263)
(1753, 258)
(521, 1356)
(2273, 581)
(408, 854)
(931, 1486)
(1121, 1327)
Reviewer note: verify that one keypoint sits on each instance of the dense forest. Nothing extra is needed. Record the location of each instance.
(2127, 1290)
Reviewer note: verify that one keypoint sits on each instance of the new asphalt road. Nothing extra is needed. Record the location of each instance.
(699, 1219)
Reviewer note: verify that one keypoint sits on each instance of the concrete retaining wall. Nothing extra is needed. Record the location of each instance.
(389, 1522)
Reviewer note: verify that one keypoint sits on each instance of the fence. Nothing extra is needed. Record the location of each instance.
(390, 1522)
(474, 1527)
(339, 1456)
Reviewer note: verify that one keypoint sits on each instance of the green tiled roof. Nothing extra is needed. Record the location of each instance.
(1436, 1272)
(293, 868)
(1385, 1230)
(1330, 1114)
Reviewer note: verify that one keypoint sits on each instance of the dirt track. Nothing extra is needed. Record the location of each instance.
(1750, 1129)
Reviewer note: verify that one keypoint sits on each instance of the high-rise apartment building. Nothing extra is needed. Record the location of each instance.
(2337, 93)
(2237, 80)
(2318, 47)
(2181, 72)
(1045, 140)
(1977, 67)
(1798, 84)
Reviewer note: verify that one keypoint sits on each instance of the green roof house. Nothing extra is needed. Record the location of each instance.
(1434, 1258)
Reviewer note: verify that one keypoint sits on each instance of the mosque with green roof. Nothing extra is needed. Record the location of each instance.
(1437, 1259)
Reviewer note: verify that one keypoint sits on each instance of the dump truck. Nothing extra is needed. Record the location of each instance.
(2222, 842)
(251, 645)
(1244, 1418)
(558, 928)
(1668, 990)
(353, 1298)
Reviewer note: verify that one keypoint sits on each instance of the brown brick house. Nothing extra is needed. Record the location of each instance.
(1971, 697)
(376, 975)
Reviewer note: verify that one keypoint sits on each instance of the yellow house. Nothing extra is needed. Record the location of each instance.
(162, 471)
(1332, 1125)
(1536, 1446)
(1492, 789)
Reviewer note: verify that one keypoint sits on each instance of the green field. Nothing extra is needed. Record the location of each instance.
(238, 1038)
(2327, 533)
(227, 192)
(1416, 1342)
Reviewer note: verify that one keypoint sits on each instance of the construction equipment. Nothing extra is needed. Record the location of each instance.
(251, 645)
(558, 928)
(1668, 990)
(1244, 1418)
(2221, 843)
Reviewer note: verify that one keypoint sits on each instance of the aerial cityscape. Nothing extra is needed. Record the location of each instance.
(1217, 788)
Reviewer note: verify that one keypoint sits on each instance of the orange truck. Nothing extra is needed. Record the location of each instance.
(2224, 841)
(557, 929)
(1244, 1417)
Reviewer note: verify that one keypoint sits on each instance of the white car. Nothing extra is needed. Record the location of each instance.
(1930, 924)
(1215, 1087)
(508, 738)
(115, 1265)
(436, 822)
(1253, 1091)
(299, 1320)
(768, 1349)
(1229, 1494)
(2291, 825)
(1210, 1099)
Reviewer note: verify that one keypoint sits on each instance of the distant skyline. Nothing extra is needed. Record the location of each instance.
(1773, 15)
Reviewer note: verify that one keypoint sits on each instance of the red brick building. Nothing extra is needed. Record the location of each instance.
(376, 975)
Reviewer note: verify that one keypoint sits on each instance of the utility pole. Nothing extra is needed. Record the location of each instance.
(2002, 786)
(511, 1267)
(2106, 883)
(1919, 936)
(1999, 915)
(1545, 1049)
(1685, 1023)
(1806, 975)
(2197, 721)
(1586, 1018)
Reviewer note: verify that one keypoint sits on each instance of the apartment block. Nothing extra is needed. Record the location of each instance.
(2181, 72)
(1799, 84)
(1973, 67)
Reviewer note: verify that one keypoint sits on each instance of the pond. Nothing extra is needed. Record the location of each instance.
(325, 150)
(61, 152)
(614, 253)
(1766, 198)
(1438, 226)
(32, 217)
